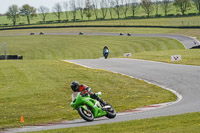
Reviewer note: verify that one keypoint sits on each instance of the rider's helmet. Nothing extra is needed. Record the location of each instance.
(75, 85)
(105, 47)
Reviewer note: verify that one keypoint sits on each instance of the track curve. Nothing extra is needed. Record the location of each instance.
(188, 42)
(183, 79)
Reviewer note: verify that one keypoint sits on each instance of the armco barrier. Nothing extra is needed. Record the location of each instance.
(80, 26)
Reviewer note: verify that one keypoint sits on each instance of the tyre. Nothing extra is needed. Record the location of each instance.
(86, 114)
(106, 56)
(111, 113)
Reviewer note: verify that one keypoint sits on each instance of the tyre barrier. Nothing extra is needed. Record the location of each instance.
(80, 33)
(41, 33)
(11, 57)
(195, 47)
(32, 33)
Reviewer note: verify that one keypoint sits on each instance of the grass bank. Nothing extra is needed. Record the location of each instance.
(82, 47)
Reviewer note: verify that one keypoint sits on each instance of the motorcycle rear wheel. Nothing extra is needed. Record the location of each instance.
(86, 114)
(111, 113)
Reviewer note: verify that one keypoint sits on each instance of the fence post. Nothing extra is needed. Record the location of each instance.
(3, 45)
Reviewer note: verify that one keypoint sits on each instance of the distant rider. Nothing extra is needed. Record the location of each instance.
(105, 48)
(105, 51)
(85, 90)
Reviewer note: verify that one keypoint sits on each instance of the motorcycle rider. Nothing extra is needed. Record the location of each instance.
(105, 49)
(85, 90)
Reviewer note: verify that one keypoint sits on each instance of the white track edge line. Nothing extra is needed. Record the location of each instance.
(179, 97)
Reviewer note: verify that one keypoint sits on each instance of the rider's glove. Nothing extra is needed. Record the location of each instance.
(94, 96)
(88, 89)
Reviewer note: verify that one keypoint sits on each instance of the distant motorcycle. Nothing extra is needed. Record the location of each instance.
(89, 108)
(105, 53)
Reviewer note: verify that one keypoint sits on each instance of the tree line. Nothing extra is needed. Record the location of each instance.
(98, 8)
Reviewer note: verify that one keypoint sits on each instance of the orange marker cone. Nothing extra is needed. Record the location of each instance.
(22, 119)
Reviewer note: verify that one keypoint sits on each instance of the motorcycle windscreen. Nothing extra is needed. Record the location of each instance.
(74, 95)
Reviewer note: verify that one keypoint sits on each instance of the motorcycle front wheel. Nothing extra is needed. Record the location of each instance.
(106, 56)
(86, 114)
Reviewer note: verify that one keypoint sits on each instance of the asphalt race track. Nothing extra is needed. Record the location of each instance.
(181, 79)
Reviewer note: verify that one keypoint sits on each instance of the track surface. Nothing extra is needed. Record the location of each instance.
(183, 79)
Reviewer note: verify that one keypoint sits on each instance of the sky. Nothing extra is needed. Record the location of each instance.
(4, 4)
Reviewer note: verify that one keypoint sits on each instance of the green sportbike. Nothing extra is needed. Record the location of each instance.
(89, 108)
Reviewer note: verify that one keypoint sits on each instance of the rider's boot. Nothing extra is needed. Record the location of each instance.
(105, 105)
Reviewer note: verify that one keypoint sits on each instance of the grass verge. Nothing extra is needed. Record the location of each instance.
(185, 123)
(189, 57)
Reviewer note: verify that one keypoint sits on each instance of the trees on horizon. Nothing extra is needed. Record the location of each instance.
(43, 11)
(28, 11)
(13, 13)
(147, 5)
(197, 4)
(166, 6)
(182, 5)
(57, 10)
(100, 9)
